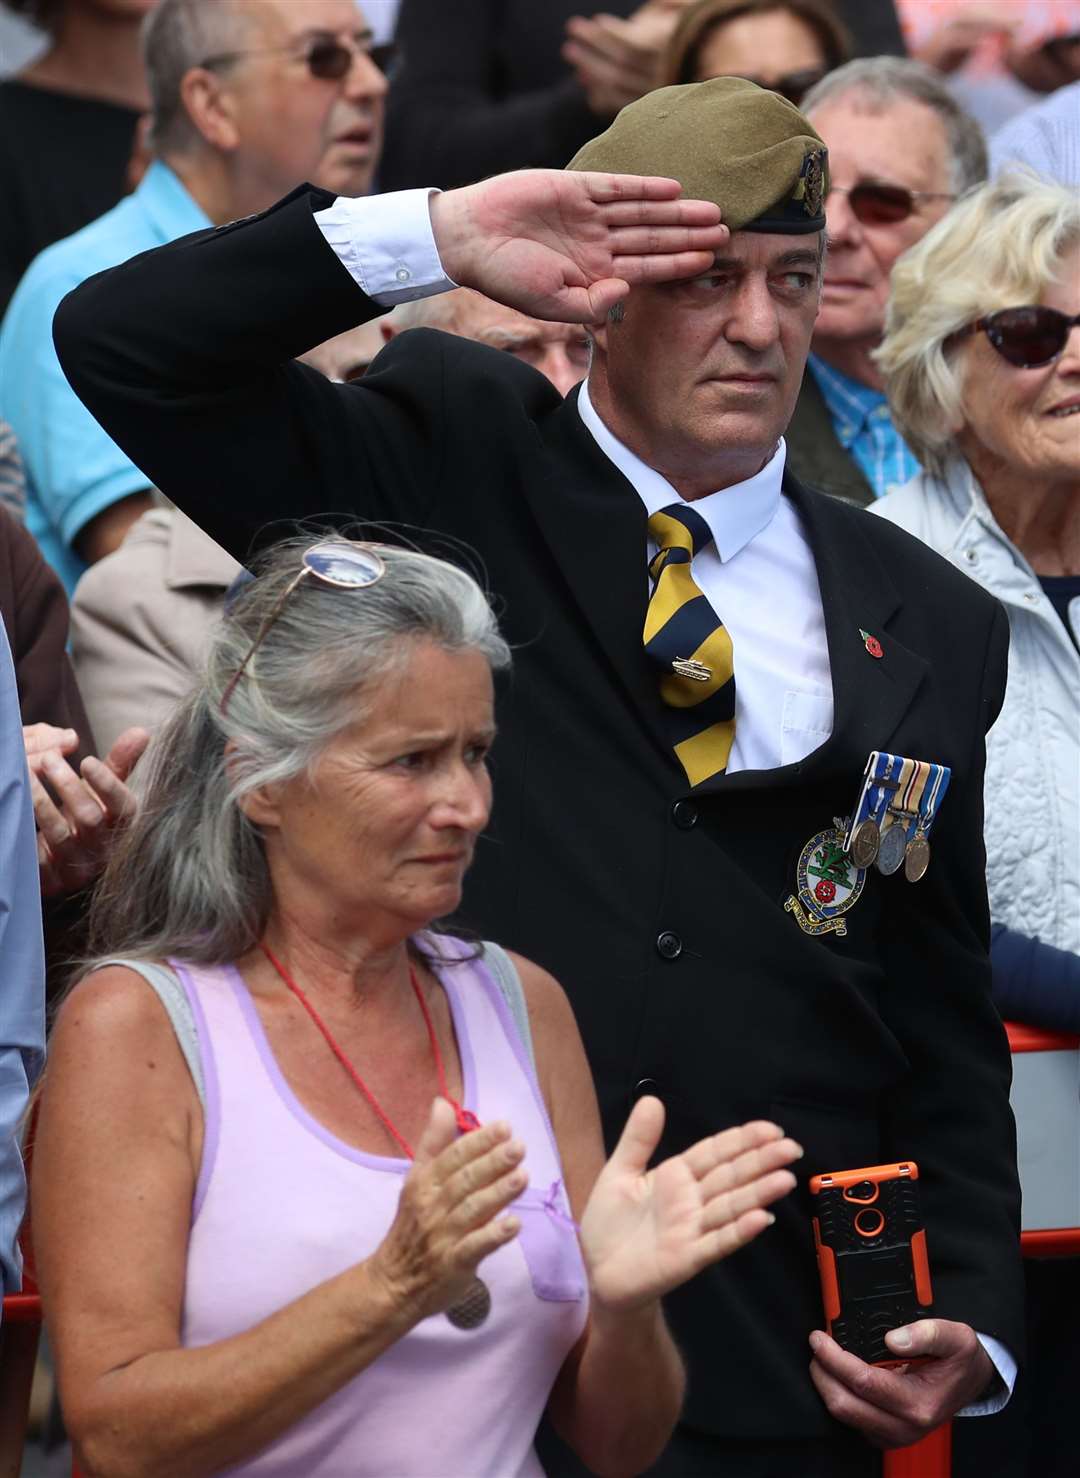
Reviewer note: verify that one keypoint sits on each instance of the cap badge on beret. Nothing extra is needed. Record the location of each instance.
(812, 181)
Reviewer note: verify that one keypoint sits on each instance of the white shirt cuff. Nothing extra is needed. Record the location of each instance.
(1005, 1366)
(386, 244)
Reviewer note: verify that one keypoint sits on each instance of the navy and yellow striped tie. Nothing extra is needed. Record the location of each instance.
(686, 638)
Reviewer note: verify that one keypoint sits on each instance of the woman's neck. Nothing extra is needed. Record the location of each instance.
(1041, 518)
(349, 965)
(94, 54)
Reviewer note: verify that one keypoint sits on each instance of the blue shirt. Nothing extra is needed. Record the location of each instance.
(22, 967)
(74, 470)
(860, 417)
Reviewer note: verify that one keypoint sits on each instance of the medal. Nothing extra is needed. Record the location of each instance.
(472, 1308)
(865, 842)
(890, 856)
(916, 858)
(828, 881)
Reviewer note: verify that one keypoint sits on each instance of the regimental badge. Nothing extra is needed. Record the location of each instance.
(829, 883)
(813, 180)
(688, 667)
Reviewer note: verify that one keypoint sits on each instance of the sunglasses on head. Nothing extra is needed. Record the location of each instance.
(326, 57)
(884, 205)
(793, 85)
(1025, 337)
(334, 562)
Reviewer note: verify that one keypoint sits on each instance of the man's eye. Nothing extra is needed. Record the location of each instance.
(797, 281)
(476, 754)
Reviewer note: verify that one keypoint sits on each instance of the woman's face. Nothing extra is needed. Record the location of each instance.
(384, 830)
(766, 47)
(1025, 421)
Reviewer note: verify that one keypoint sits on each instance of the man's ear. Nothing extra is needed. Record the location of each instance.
(211, 108)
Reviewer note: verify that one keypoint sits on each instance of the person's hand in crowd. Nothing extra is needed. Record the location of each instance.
(644, 1232)
(448, 1218)
(566, 245)
(951, 45)
(617, 60)
(894, 1408)
(75, 813)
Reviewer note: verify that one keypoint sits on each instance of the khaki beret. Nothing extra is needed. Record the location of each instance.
(726, 140)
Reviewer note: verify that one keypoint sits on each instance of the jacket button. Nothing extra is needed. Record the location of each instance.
(668, 945)
(684, 814)
(645, 1086)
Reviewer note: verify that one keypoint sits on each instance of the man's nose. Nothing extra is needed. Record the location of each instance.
(754, 320)
(842, 225)
(364, 80)
(560, 368)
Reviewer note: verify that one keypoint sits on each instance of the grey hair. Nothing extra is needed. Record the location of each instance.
(189, 876)
(439, 310)
(998, 248)
(885, 80)
(178, 35)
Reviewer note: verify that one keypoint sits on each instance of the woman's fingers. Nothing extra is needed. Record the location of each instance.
(477, 1208)
(440, 1133)
(726, 1208)
(744, 1169)
(721, 1148)
(116, 799)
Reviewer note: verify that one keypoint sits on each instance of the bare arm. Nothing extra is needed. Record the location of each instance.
(619, 1393)
(117, 1156)
(105, 533)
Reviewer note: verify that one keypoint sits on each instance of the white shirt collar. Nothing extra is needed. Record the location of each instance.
(736, 514)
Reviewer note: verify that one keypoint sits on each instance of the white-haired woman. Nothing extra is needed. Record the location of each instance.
(307, 1170)
(982, 368)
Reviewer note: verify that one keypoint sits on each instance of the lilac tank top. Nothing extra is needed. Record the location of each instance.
(281, 1205)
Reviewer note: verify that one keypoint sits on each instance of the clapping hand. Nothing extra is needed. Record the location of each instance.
(449, 1217)
(566, 245)
(643, 1232)
(617, 60)
(75, 813)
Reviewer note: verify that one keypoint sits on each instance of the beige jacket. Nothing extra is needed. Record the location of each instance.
(139, 621)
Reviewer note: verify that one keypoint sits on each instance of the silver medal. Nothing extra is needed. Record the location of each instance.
(890, 856)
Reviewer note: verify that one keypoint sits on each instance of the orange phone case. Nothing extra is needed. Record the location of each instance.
(871, 1252)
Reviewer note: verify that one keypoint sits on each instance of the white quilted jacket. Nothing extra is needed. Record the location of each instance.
(1033, 751)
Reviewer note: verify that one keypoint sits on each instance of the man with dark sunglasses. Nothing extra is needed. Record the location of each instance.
(706, 654)
(248, 98)
(900, 151)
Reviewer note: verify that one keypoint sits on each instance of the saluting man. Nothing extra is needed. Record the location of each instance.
(707, 655)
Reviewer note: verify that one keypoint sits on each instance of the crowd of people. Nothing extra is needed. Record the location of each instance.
(540, 592)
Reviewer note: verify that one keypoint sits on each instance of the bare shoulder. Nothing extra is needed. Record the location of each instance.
(548, 1005)
(113, 1013)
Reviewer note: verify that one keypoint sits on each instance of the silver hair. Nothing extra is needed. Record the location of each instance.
(178, 35)
(439, 310)
(1000, 247)
(189, 877)
(885, 80)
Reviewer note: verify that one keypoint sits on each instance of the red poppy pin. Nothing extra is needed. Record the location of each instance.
(871, 643)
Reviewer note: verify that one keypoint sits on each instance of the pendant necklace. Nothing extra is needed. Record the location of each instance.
(474, 1305)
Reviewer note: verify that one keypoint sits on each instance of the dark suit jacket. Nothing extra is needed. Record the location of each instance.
(815, 454)
(661, 909)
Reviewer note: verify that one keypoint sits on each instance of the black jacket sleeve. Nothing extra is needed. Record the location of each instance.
(186, 355)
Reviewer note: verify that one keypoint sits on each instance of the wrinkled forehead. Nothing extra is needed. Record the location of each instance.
(281, 21)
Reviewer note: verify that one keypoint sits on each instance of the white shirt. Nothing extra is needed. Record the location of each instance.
(783, 683)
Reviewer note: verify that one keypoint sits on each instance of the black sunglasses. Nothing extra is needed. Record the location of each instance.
(1025, 337)
(326, 57)
(793, 85)
(884, 205)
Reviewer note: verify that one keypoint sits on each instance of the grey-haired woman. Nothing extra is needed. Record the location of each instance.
(317, 1214)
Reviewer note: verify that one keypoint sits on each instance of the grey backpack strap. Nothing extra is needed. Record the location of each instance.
(504, 973)
(165, 985)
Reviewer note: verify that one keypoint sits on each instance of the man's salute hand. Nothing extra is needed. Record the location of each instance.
(567, 245)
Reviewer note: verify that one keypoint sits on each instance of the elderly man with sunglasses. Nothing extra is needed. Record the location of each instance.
(248, 99)
(901, 150)
(706, 654)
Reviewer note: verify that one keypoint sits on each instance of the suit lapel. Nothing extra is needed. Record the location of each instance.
(870, 695)
(595, 525)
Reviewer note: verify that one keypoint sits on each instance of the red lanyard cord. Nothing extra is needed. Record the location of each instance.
(466, 1119)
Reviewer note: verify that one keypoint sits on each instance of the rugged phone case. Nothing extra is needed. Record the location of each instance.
(871, 1251)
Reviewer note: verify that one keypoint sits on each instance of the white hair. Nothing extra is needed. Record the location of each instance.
(1000, 247)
